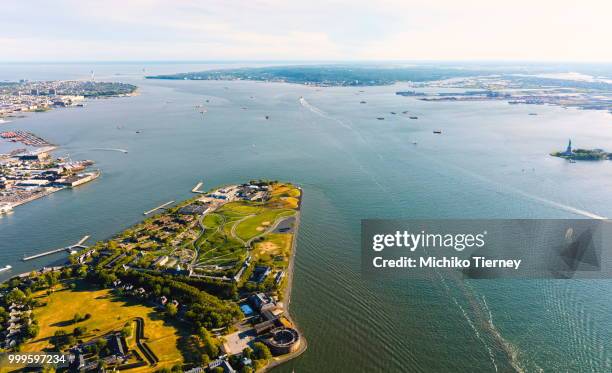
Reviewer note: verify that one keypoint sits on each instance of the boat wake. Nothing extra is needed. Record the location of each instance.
(322, 113)
(315, 110)
(469, 321)
(509, 190)
(112, 150)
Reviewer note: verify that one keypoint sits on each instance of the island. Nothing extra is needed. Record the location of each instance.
(326, 75)
(582, 154)
(38, 96)
(203, 286)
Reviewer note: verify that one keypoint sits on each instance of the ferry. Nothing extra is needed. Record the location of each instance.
(6, 268)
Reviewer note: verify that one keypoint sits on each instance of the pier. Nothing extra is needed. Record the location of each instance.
(158, 207)
(196, 189)
(67, 249)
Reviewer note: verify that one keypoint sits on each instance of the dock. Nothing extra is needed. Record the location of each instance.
(81, 242)
(51, 252)
(196, 189)
(158, 207)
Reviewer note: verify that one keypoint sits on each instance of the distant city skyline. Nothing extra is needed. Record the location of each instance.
(69, 30)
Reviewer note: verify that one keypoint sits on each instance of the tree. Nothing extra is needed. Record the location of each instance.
(259, 364)
(77, 318)
(247, 352)
(171, 310)
(218, 370)
(32, 330)
(211, 346)
(204, 359)
(82, 271)
(101, 343)
(261, 351)
(59, 339)
(246, 369)
(15, 296)
(3, 315)
(126, 331)
(79, 331)
(52, 278)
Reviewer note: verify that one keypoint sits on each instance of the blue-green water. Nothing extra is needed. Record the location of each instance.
(490, 162)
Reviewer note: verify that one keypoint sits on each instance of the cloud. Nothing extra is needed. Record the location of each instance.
(312, 30)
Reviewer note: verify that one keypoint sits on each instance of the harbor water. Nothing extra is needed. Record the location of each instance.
(490, 161)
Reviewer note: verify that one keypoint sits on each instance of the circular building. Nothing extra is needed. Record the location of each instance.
(283, 340)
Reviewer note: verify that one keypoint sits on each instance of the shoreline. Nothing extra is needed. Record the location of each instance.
(275, 362)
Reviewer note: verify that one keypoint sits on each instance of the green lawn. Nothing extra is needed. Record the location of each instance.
(258, 224)
(108, 313)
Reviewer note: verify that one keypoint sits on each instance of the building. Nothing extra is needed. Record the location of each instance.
(34, 156)
(227, 368)
(161, 261)
(260, 273)
(261, 302)
(283, 341)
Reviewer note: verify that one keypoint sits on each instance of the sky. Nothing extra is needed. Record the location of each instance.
(311, 30)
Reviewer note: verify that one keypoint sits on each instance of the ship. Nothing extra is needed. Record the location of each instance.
(437, 132)
(6, 268)
(413, 117)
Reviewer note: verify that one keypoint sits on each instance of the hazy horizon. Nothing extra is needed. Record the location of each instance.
(270, 30)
